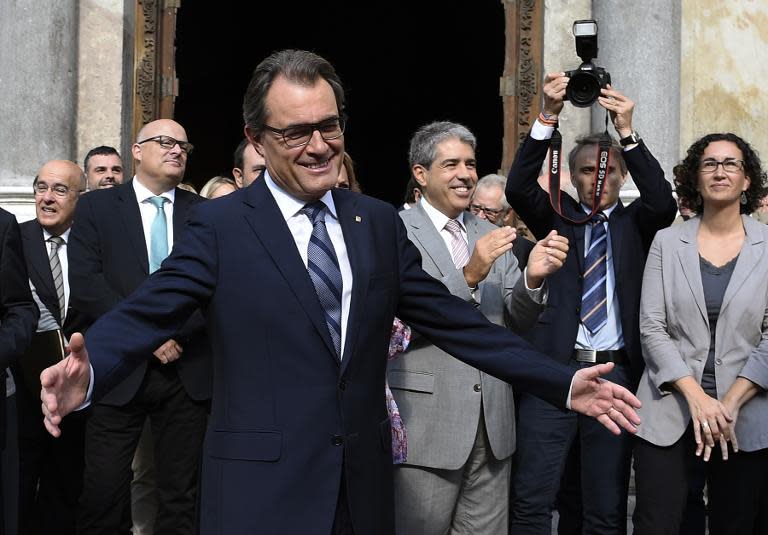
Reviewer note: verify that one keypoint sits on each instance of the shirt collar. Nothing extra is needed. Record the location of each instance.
(65, 235)
(438, 218)
(143, 193)
(289, 205)
(606, 211)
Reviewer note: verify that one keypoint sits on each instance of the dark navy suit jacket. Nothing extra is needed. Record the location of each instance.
(18, 312)
(108, 260)
(286, 414)
(632, 229)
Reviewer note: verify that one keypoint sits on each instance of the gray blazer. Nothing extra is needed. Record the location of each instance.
(440, 397)
(675, 336)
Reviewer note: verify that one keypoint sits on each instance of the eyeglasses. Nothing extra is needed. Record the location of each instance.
(167, 143)
(60, 190)
(301, 134)
(489, 212)
(729, 166)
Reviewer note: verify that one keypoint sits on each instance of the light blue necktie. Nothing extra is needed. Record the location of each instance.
(158, 235)
(594, 308)
(323, 267)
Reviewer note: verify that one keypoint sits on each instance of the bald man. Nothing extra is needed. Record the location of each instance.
(50, 471)
(120, 236)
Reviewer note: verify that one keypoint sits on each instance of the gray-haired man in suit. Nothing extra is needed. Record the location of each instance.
(460, 421)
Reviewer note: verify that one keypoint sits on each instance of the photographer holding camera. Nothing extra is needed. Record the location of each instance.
(592, 313)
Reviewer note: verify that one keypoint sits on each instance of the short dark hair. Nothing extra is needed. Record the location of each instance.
(238, 158)
(594, 140)
(102, 150)
(409, 197)
(298, 66)
(687, 173)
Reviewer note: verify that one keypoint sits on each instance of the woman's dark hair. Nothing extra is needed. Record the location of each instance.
(687, 173)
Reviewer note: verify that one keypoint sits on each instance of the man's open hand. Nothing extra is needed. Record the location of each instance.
(65, 384)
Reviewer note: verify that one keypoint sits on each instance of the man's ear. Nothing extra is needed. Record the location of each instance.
(238, 176)
(136, 152)
(254, 140)
(420, 174)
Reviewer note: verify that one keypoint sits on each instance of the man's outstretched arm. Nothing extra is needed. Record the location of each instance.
(610, 404)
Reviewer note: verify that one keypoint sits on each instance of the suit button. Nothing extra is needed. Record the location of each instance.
(342, 384)
(718, 361)
(477, 388)
(337, 440)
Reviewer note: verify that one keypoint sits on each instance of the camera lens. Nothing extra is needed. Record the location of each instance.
(583, 89)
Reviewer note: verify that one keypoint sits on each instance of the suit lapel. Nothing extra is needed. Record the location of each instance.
(751, 253)
(267, 222)
(432, 245)
(688, 255)
(181, 206)
(616, 225)
(128, 206)
(354, 227)
(40, 268)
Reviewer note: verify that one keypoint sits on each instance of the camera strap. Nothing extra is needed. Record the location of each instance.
(603, 161)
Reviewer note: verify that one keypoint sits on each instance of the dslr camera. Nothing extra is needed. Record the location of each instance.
(586, 81)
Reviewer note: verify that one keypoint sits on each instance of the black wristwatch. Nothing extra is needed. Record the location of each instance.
(631, 139)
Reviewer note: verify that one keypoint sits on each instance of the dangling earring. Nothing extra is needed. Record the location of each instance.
(698, 201)
(743, 199)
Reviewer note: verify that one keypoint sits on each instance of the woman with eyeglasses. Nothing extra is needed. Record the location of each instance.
(704, 333)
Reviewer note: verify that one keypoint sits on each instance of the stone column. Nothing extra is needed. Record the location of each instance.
(100, 74)
(724, 71)
(38, 76)
(639, 44)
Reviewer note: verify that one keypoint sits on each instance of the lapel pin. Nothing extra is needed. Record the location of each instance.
(358, 219)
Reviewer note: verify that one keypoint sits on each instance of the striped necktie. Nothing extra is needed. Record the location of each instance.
(158, 235)
(459, 248)
(594, 308)
(323, 267)
(57, 273)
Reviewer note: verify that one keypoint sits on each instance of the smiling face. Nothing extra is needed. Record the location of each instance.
(583, 177)
(54, 211)
(721, 187)
(104, 171)
(449, 181)
(160, 169)
(304, 172)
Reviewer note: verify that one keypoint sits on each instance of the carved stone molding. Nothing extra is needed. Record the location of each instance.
(155, 84)
(520, 85)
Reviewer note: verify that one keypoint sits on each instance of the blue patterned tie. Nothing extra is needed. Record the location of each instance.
(594, 308)
(323, 267)
(158, 235)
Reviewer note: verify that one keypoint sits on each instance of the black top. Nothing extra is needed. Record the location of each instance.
(714, 280)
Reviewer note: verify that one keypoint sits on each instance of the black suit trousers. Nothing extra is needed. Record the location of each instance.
(662, 476)
(112, 434)
(50, 469)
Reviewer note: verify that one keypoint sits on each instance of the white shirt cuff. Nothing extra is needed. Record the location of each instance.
(537, 295)
(541, 131)
(570, 389)
(89, 393)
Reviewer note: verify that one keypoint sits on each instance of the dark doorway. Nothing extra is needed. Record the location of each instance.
(402, 64)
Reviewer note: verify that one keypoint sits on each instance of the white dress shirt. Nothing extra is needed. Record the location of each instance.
(148, 211)
(301, 230)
